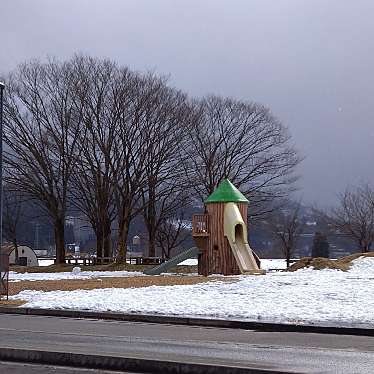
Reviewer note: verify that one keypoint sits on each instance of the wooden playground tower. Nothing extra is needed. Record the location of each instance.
(209, 230)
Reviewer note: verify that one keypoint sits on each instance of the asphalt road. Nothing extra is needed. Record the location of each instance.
(21, 368)
(299, 352)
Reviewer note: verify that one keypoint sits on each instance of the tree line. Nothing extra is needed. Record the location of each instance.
(112, 143)
(352, 218)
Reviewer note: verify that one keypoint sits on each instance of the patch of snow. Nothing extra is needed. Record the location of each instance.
(306, 296)
(265, 263)
(189, 262)
(71, 275)
(45, 262)
(273, 264)
(363, 264)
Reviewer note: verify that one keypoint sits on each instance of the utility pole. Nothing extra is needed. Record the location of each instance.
(36, 241)
(2, 86)
(4, 262)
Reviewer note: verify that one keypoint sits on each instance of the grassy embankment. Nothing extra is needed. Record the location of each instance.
(320, 263)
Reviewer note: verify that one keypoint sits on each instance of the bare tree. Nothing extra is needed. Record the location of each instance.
(42, 123)
(13, 215)
(169, 201)
(245, 143)
(287, 225)
(92, 184)
(354, 216)
(171, 233)
(165, 189)
(128, 161)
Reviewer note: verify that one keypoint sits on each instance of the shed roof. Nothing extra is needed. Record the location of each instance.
(226, 192)
(9, 248)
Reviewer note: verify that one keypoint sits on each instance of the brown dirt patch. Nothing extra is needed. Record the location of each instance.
(69, 267)
(90, 284)
(5, 303)
(108, 267)
(319, 263)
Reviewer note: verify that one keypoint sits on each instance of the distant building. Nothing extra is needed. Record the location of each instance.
(41, 252)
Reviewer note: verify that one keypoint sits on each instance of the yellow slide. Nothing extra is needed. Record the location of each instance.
(235, 231)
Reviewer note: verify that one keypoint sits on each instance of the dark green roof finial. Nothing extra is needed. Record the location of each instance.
(226, 192)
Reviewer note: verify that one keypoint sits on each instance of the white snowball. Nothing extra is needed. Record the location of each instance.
(76, 270)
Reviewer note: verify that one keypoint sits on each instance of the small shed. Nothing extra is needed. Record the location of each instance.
(26, 255)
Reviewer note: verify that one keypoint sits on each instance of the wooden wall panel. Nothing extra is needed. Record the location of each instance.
(218, 257)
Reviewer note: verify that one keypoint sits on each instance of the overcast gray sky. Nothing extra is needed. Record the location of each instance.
(310, 61)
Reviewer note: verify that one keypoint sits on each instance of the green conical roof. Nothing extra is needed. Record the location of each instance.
(226, 192)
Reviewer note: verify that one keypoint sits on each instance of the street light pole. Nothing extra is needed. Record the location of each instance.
(2, 86)
(3, 286)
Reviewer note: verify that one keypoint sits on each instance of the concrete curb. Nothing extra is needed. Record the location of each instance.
(191, 321)
(136, 365)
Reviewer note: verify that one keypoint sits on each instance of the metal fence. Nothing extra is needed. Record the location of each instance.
(4, 275)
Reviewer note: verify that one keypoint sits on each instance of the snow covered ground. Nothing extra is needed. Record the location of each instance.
(307, 296)
(16, 277)
(269, 264)
(265, 263)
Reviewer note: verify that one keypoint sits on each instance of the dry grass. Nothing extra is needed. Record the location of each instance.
(90, 284)
(69, 267)
(184, 269)
(350, 258)
(319, 263)
(108, 267)
(12, 303)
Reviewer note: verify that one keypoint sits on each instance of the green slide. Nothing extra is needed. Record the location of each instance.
(193, 252)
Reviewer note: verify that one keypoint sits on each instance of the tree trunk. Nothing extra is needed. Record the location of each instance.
(99, 242)
(288, 258)
(59, 228)
(123, 231)
(150, 218)
(362, 245)
(16, 255)
(107, 238)
(366, 248)
(122, 240)
(152, 241)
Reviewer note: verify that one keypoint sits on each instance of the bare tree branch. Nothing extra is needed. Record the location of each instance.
(244, 143)
(287, 225)
(355, 216)
(42, 122)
